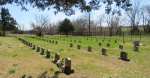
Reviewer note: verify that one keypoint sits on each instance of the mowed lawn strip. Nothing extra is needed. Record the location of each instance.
(16, 59)
(92, 64)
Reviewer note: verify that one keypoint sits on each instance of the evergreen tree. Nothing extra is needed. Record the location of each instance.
(66, 27)
(7, 22)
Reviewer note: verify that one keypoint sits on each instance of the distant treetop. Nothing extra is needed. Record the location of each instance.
(68, 6)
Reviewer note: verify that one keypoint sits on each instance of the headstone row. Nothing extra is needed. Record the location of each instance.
(64, 64)
(123, 55)
(46, 40)
(37, 48)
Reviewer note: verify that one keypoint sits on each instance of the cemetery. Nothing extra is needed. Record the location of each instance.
(88, 58)
(74, 39)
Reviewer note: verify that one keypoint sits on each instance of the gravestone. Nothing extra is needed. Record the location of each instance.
(56, 58)
(42, 51)
(33, 47)
(108, 45)
(104, 51)
(49, 41)
(53, 41)
(38, 49)
(67, 66)
(121, 47)
(56, 42)
(124, 56)
(99, 43)
(47, 54)
(136, 45)
(71, 45)
(30, 45)
(115, 41)
(78, 47)
(89, 49)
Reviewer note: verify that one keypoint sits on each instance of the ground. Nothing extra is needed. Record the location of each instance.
(16, 59)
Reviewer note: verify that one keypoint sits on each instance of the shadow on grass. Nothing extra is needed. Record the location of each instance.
(56, 74)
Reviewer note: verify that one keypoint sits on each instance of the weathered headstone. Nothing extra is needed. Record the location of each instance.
(53, 41)
(121, 47)
(115, 41)
(56, 42)
(38, 49)
(33, 47)
(124, 56)
(47, 54)
(71, 45)
(108, 45)
(78, 46)
(67, 66)
(89, 49)
(30, 45)
(104, 51)
(56, 58)
(99, 43)
(42, 51)
(49, 41)
(136, 45)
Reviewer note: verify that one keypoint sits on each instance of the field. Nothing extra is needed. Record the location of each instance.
(17, 59)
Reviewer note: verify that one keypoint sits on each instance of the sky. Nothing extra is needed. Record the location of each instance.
(26, 17)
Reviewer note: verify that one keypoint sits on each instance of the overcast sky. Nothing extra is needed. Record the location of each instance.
(26, 17)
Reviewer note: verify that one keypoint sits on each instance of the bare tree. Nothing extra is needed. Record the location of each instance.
(40, 25)
(146, 18)
(80, 25)
(134, 16)
(99, 26)
(113, 23)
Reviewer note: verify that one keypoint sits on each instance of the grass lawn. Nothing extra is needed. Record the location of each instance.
(17, 59)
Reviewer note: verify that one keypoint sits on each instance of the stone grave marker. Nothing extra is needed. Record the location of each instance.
(38, 49)
(136, 45)
(121, 47)
(78, 46)
(108, 45)
(56, 58)
(42, 51)
(33, 47)
(67, 66)
(47, 54)
(71, 45)
(89, 49)
(104, 51)
(99, 43)
(124, 56)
